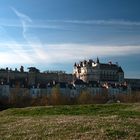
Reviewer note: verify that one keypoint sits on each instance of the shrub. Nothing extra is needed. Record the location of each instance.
(129, 98)
(56, 97)
(85, 98)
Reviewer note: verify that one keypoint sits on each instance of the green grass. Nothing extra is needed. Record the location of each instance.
(109, 121)
(123, 110)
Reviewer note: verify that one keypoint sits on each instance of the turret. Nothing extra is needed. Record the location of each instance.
(98, 60)
(75, 64)
(120, 75)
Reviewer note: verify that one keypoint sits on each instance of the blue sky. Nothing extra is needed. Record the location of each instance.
(53, 34)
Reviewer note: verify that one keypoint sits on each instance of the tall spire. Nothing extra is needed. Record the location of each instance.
(98, 60)
(75, 64)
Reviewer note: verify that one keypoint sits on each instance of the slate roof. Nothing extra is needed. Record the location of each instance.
(108, 66)
(120, 69)
(79, 82)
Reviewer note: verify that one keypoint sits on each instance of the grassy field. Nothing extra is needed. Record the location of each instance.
(83, 122)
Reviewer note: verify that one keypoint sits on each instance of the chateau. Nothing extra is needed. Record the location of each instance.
(87, 71)
(88, 74)
(95, 71)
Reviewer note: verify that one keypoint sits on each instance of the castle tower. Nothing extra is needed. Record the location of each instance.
(120, 75)
(98, 60)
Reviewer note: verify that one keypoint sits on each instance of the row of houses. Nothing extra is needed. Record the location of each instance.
(90, 75)
(66, 89)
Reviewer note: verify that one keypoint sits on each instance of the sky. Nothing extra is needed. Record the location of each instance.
(54, 34)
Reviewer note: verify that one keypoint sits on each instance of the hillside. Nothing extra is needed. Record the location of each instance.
(110, 121)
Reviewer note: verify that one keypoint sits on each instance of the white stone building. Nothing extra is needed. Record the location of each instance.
(96, 71)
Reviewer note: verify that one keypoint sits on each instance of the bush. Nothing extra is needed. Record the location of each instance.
(85, 98)
(20, 98)
(100, 98)
(56, 97)
(129, 98)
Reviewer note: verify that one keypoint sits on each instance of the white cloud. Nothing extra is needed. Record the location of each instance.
(64, 53)
(61, 24)
(7, 58)
(28, 23)
(71, 52)
(101, 22)
(11, 51)
(33, 51)
(24, 19)
(32, 40)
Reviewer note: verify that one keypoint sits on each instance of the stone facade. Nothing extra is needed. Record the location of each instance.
(134, 83)
(33, 77)
(91, 75)
(4, 90)
(96, 71)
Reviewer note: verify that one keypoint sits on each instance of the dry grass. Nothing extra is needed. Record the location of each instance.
(71, 127)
